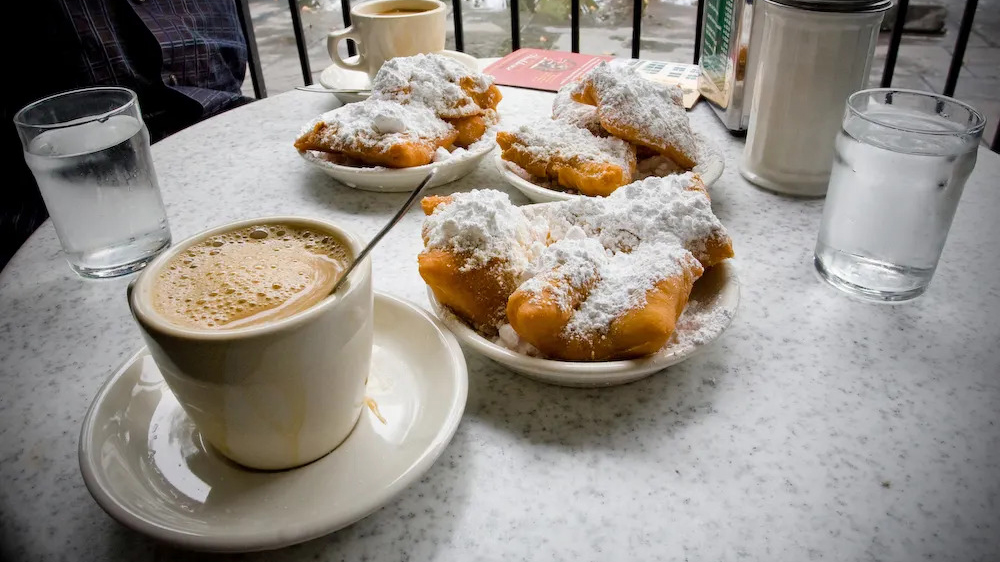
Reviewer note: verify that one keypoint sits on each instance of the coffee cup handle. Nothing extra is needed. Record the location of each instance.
(334, 39)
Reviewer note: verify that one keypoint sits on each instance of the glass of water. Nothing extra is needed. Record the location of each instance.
(901, 162)
(89, 152)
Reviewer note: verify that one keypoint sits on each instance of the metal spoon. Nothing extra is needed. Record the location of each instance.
(334, 90)
(385, 229)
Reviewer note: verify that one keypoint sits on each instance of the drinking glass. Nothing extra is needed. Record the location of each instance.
(89, 152)
(902, 158)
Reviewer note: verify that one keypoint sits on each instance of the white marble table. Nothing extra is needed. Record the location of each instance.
(816, 428)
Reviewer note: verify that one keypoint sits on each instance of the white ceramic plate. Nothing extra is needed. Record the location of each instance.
(403, 179)
(335, 77)
(716, 295)
(710, 167)
(146, 465)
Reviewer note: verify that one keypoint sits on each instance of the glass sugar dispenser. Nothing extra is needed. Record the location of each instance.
(813, 55)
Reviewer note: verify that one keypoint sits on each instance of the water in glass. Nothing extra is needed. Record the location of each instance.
(890, 203)
(99, 185)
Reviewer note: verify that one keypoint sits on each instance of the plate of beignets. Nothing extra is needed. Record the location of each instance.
(426, 112)
(569, 154)
(585, 292)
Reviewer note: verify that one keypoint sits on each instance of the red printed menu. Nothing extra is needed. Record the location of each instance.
(541, 70)
(549, 70)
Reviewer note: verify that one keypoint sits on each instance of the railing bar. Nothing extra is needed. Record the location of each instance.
(459, 32)
(636, 27)
(253, 57)
(300, 41)
(964, 29)
(345, 8)
(515, 25)
(574, 22)
(894, 40)
(699, 20)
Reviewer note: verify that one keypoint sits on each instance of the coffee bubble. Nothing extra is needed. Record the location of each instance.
(249, 276)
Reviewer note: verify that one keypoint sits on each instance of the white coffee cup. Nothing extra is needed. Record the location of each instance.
(381, 37)
(274, 395)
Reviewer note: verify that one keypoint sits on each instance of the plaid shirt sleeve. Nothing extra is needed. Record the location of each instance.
(164, 48)
(203, 49)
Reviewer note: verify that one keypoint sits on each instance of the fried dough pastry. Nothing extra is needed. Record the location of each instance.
(379, 133)
(573, 157)
(587, 305)
(477, 295)
(476, 252)
(441, 83)
(639, 111)
(587, 279)
(471, 129)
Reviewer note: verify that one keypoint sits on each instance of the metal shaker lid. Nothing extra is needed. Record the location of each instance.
(841, 6)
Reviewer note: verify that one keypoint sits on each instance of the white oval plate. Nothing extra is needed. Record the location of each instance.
(146, 465)
(395, 180)
(335, 77)
(716, 294)
(710, 169)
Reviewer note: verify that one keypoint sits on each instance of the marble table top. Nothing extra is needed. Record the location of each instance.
(817, 428)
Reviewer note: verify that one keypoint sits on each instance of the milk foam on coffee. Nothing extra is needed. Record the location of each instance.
(249, 276)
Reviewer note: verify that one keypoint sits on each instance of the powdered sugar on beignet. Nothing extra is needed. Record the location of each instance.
(548, 138)
(638, 110)
(598, 285)
(441, 83)
(565, 108)
(483, 225)
(645, 211)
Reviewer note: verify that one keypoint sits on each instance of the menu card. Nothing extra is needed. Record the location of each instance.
(539, 69)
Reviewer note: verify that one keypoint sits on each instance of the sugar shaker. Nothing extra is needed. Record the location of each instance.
(814, 54)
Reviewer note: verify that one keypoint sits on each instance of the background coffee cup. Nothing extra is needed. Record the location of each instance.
(274, 395)
(382, 37)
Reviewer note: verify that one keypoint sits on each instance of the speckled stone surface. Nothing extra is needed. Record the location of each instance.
(817, 428)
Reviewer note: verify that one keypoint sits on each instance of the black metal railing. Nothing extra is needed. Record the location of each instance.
(965, 27)
(253, 58)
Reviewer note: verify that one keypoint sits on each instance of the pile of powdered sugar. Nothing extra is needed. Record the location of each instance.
(640, 212)
(700, 323)
(598, 284)
(478, 148)
(627, 98)
(566, 270)
(377, 125)
(550, 138)
(583, 116)
(482, 225)
(658, 166)
(624, 281)
(432, 80)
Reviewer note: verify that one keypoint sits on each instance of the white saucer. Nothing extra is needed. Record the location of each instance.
(716, 294)
(710, 167)
(404, 179)
(146, 465)
(336, 78)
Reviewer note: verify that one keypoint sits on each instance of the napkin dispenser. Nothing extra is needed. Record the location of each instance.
(730, 45)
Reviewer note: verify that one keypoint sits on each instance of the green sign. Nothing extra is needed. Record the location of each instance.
(716, 40)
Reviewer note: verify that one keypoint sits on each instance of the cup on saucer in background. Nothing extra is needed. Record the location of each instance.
(240, 321)
(385, 29)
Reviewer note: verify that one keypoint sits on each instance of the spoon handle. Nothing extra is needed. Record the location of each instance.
(385, 229)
